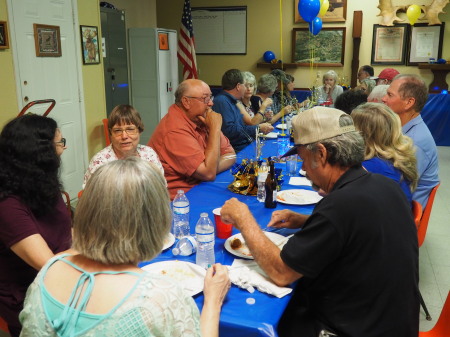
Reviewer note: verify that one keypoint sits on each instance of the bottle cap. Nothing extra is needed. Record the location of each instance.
(176, 251)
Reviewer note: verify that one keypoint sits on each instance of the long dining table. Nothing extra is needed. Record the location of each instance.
(238, 317)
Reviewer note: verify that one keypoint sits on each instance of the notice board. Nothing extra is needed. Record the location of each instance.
(220, 30)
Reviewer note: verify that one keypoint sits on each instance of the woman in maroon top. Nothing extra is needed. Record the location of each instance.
(34, 222)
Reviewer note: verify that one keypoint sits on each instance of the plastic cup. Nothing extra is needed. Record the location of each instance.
(291, 165)
(223, 230)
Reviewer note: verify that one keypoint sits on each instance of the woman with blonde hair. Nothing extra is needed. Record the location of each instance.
(122, 219)
(330, 90)
(388, 151)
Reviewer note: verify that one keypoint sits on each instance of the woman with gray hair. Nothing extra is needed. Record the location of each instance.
(100, 291)
(366, 86)
(252, 113)
(388, 151)
(330, 89)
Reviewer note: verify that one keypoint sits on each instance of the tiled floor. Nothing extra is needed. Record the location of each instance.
(435, 252)
(434, 262)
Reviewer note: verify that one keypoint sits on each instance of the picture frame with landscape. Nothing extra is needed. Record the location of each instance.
(326, 49)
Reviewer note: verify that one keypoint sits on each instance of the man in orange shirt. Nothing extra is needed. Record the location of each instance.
(188, 139)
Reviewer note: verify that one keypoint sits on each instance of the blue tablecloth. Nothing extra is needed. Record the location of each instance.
(239, 318)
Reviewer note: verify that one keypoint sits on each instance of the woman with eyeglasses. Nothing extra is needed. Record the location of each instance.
(34, 221)
(125, 127)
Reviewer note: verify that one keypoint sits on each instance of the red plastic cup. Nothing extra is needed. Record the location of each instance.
(223, 230)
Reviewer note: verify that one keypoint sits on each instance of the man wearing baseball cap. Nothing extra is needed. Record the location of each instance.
(355, 258)
(386, 76)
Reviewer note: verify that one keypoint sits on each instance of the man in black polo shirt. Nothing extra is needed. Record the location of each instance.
(356, 256)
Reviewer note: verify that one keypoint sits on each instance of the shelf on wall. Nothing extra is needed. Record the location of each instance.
(440, 72)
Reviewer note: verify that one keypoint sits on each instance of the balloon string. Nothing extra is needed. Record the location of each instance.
(281, 58)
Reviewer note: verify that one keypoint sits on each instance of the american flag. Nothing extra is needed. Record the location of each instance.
(186, 48)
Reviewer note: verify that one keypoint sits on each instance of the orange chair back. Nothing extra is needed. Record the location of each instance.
(442, 327)
(3, 325)
(106, 131)
(422, 230)
(417, 212)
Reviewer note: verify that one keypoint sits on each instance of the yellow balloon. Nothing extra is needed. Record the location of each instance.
(324, 8)
(413, 13)
(321, 2)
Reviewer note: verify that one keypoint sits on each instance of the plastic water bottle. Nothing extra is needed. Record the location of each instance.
(204, 230)
(180, 215)
(262, 176)
(185, 246)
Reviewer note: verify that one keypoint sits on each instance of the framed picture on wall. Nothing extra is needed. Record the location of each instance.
(4, 42)
(389, 44)
(325, 49)
(89, 44)
(425, 43)
(47, 40)
(337, 12)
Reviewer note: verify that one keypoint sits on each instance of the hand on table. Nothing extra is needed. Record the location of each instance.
(265, 128)
(287, 219)
(217, 284)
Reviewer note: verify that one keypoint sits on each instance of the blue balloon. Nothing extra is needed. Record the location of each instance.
(268, 56)
(308, 9)
(315, 26)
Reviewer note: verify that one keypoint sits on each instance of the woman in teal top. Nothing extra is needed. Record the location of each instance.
(122, 218)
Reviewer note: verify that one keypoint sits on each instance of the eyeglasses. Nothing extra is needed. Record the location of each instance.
(62, 141)
(204, 100)
(131, 131)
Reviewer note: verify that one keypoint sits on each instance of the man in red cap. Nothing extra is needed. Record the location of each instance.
(386, 76)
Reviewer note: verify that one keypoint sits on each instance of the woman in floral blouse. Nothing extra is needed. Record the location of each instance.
(125, 127)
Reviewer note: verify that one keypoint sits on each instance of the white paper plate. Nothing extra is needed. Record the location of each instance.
(168, 241)
(298, 197)
(243, 250)
(186, 274)
(271, 135)
(281, 126)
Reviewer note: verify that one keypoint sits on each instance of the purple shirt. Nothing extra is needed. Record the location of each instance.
(17, 222)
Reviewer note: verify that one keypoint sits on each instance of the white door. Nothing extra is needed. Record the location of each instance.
(52, 77)
(168, 73)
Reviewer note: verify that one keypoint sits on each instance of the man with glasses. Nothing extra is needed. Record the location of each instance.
(233, 126)
(188, 139)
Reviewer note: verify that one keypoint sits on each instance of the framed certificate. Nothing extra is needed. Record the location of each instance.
(389, 44)
(425, 43)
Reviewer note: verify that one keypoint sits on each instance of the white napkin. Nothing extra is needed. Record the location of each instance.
(299, 181)
(248, 275)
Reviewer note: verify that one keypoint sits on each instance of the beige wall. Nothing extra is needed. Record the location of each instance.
(263, 33)
(92, 78)
(138, 13)
(8, 95)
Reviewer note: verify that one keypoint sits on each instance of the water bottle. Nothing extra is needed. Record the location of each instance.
(185, 246)
(262, 176)
(180, 215)
(204, 230)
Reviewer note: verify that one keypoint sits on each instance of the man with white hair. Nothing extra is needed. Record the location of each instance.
(356, 256)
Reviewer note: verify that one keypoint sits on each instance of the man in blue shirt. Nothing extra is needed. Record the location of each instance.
(406, 96)
(233, 126)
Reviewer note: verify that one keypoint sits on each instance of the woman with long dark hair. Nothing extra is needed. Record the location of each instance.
(34, 221)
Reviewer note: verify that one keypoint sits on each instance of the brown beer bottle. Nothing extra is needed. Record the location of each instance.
(271, 187)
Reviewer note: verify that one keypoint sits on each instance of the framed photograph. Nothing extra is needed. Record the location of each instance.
(327, 47)
(4, 42)
(425, 43)
(389, 44)
(47, 40)
(89, 44)
(163, 41)
(337, 12)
